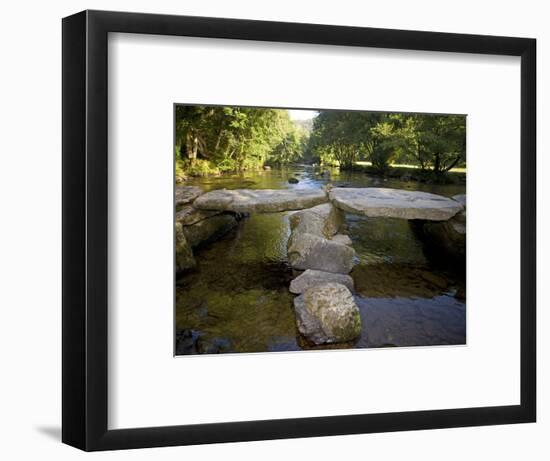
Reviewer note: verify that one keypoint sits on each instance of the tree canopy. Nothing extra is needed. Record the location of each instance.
(216, 139)
(436, 142)
(236, 138)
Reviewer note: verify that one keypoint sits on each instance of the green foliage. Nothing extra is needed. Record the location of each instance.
(199, 167)
(439, 141)
(433, 142)
(180, 171)
(291, 147)
(235, 138)
(211, 139)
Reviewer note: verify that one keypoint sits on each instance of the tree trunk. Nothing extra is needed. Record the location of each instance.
(437, 163)
(453, 164)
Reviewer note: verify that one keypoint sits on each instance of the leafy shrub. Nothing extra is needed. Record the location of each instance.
(199, 167)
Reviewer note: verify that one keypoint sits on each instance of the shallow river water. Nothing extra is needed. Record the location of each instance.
(238, 300)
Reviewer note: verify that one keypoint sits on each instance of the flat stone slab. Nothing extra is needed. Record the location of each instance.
(260, 200)
(394, 203)
(461, 198)
(189, 215)
(186, 194)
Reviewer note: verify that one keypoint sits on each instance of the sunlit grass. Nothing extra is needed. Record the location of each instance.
(400, 165)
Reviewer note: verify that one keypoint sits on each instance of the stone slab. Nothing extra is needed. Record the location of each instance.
(260, 200)
(186, 194)
(394, 203)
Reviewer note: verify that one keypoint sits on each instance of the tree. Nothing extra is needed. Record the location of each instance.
(385, 141)
(436, 142)
(334, 138)
(235, 138)
(291, 147)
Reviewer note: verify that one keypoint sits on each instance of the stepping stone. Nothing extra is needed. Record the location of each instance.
(394, 203)
(461, 198)
(311, 277)
(186, 194)
(327, 314)
(260, 200)
(342, 238)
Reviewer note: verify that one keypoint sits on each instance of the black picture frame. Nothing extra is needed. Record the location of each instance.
(85, 219)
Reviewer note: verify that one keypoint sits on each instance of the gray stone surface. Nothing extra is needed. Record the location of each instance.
(449, 236)
(394, 203)
(311, 278)
(322, 220)
(309, 251)
(209, 229)
(342, 238)
(189, 215)
(260, 200)
(187, 194)
(309, 246)
(184, 254)
(327, 314)
(461, 198)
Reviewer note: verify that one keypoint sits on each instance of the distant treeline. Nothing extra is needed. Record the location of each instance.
(435, 142)
(212, 139)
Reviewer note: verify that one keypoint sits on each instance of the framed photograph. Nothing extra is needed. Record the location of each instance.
(278, 230)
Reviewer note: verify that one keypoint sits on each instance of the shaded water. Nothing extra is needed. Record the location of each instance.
(238, 300)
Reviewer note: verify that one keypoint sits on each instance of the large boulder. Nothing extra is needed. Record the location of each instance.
(311, 278)
(189, 215)
(260, 200)
(394, 203)
(448, 237)
(209, 229)
(342, 238)
(309, 246)
(327, 314)
(322, 220)
(309, 251)
(186, 194)
(184, 254)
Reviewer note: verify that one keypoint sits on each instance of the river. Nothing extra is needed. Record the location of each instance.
(238, 300)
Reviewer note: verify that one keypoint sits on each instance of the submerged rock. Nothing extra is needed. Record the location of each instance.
(293, 180)
(327, 314)
(213, 345)
(209, 229)
(311, 278)
(184, 254)
(186, 341)
(260, 200)
(186, 194)
(394, 203)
